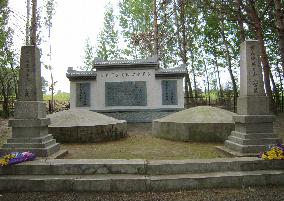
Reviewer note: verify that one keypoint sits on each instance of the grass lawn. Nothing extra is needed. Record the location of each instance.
(63, 96)
(143, 147)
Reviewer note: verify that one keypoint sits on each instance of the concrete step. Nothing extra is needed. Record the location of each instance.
(135, 183)
(41, 152)
(138, 166)
(30, 140)
(30, 145)
(253, 135)
(261, 141)
(253, 149)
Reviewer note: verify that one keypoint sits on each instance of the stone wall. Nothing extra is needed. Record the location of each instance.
(89, 134)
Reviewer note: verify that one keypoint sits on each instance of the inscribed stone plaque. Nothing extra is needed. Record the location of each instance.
(83, 94)
(169, 92)
(126, 93)
(251, 80)
(30, 88)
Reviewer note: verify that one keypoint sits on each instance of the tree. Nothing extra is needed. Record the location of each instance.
(252, 12)
(89, 55)
(44, 84)
(107, 48)
(50, 12)
(279, 22)
(28, 26)
(136, 22)
(8, 72)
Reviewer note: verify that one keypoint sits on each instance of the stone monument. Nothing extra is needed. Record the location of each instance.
(253, 122)
(30, 125)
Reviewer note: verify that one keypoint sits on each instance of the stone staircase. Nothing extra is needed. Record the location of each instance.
(139, 175)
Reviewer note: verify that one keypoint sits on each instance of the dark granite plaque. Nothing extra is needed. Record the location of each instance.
(83, 94)
(169, 92)
(126, 93)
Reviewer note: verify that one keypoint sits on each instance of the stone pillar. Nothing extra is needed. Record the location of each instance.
(30, 125)
(253, 122)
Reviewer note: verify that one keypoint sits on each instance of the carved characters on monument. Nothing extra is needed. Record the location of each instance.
(169, 92)
(254, 73)
(125, 74)
(83, 95)
(128, 93)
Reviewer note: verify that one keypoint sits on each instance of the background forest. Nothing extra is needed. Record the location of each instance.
(203, 35)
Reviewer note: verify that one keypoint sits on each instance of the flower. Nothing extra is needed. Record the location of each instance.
(16, 157)
(5, 160)
(275, 152)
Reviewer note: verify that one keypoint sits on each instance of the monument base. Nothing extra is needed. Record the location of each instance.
(253, 134)
(41, 147)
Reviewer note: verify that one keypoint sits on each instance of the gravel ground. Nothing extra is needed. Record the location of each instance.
(248, 194)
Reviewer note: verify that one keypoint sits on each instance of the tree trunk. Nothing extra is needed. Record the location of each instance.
(184, 49)
(240, 21)
(279, 20)
(52, 92)
(207, 81)
(275, 92)
(5, 103)
(229, 61)
(33, 39)
(28, 22)
(194, 76)
(219, 80)
(156, 42)
(15, 81)
(251, 10)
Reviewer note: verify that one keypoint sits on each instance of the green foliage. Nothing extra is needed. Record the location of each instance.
(89, 55)
(107, 48)
(8, 70)
(136, 22)
(63, 96)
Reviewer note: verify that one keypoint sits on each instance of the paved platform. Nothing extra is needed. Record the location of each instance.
(139, 175)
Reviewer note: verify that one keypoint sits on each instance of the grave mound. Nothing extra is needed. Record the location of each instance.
(200, 124)
(79, 125)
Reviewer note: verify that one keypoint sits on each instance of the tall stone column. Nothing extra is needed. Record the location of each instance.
(30, 125)
(253, 122)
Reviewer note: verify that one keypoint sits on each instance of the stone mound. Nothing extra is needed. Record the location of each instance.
(202, 124)
(79, 125)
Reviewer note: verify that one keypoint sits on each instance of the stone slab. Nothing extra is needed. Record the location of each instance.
(138, 183)
(127, 93)
(30, 110)
(30, 88)
(251, 79)
(265, 127)
(30, 145)
(169, 92)
(29, 122)
(139, 166)
(40, 152)
(234, 153)
(29, 132)
(250, 149)
(253, 135)
(197, 132)
(30, 140)
(78, 167)
(252, 105)
(83, 95)
(260, 141)
(253, 118)
(87, 134)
